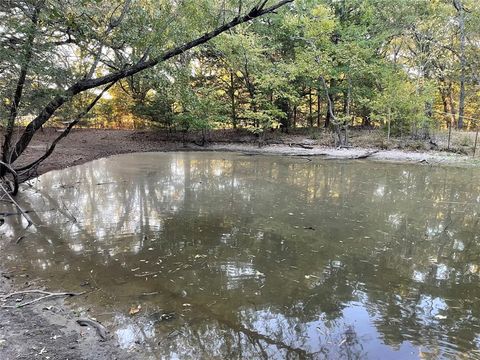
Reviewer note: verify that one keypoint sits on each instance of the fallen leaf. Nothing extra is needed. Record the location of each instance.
(135, 309)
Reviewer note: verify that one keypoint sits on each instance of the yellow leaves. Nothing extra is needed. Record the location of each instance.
(321, 11)
(324, 20)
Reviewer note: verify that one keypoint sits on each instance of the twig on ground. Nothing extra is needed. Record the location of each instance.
(46, 295)
(20, 238)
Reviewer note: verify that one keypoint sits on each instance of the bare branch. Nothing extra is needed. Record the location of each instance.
(65, 132)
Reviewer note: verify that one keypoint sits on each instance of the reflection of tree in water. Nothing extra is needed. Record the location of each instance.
(258, 241)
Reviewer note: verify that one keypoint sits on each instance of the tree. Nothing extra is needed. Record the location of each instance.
(130, 33)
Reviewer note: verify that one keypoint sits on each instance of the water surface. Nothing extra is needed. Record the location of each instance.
(236, 256)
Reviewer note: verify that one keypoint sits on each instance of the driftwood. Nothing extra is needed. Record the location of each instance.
(101, 330)
(303, 146)
(364, 156)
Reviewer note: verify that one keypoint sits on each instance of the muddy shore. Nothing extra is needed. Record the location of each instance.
(48, 329)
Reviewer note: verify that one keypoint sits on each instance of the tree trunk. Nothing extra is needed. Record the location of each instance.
(294, 116)
(461, 22)
(452, 104)
(310, 108)
(17, 97)
(331, 105)
(446, 111)
(347, 100)
(336, 123)
(389, 124)
(232, 100)
(318, 107)
(327, 118)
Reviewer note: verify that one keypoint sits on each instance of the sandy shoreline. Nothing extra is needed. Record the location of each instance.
(438, 158)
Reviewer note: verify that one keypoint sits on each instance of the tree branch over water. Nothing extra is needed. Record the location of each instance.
(86, 84)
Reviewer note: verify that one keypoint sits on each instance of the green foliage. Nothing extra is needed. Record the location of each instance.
(200, 111)
(157, 108)
(402, 102)
(379, 58)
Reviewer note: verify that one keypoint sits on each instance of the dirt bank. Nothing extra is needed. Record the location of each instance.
(48, 329)
(84, 145)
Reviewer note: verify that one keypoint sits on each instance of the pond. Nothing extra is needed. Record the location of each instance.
(220, 255)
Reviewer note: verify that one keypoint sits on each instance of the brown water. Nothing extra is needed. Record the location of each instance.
(262, 256)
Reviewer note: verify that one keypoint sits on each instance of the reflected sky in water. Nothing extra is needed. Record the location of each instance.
(262, 256)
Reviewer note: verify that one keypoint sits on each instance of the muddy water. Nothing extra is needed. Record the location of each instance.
(234, 256)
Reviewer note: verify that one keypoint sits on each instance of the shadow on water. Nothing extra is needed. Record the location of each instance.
(262, 257)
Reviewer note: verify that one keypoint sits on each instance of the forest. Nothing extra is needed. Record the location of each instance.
(408, 68)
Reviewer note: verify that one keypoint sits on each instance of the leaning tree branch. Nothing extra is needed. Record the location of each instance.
(86, 84)
(66, 131)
